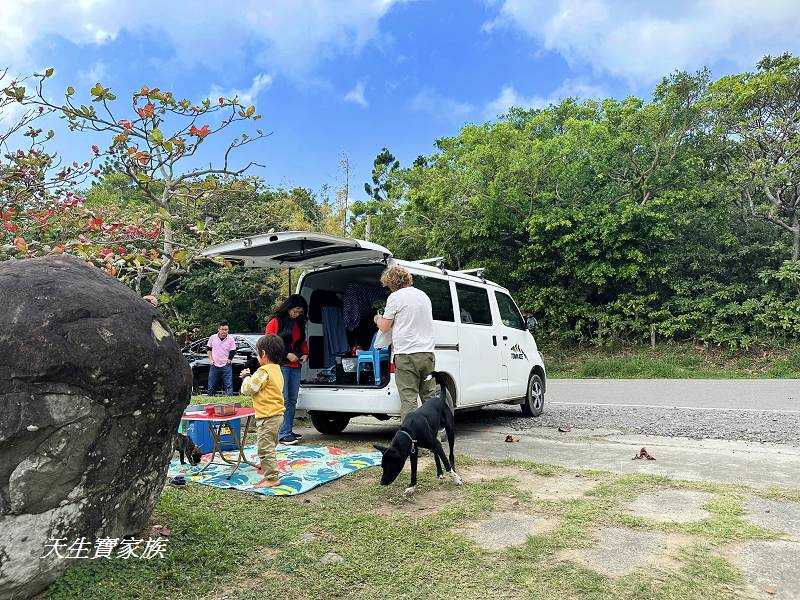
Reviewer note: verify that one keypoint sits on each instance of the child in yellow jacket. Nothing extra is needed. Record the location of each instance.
(266, 388)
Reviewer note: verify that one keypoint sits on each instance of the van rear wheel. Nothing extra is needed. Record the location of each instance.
(329, 423)
(534, 398)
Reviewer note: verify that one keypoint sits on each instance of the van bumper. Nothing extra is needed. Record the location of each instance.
(384, 401)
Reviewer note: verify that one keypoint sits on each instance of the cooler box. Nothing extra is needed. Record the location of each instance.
(198, 431)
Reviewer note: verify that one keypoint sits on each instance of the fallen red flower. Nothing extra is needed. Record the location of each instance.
(643, 453)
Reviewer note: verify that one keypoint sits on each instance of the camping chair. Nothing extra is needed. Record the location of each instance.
(372, 356)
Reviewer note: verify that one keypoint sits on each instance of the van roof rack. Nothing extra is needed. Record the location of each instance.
(436, 261)
(478, 272)
(429, 261)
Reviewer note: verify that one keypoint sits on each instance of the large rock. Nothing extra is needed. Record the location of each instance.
(92, 386)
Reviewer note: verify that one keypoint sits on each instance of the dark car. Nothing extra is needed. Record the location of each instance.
(246, 357)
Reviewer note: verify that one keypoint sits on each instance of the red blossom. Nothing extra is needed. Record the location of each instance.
(126, 125)
(201, 133)
(10, 227)
(146, 111)
(20, 244)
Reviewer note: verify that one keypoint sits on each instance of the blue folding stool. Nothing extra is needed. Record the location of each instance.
(373, 356)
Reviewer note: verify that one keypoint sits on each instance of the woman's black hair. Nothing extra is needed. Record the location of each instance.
(293, 301)
(272, 346)
(286, 324)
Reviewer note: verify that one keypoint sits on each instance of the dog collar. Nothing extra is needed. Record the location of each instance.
(413, 441)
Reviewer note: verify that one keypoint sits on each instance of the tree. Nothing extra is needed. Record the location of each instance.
(157, 148)
(42, 209)
(758, 114)
(382, 192)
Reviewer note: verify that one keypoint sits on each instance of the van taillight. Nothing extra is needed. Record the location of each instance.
(392, 368)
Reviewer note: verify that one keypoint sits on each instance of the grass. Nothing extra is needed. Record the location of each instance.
(238, 546)
(679, 361)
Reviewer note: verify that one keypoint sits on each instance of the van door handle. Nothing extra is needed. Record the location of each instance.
(494, 340)
(505, 338)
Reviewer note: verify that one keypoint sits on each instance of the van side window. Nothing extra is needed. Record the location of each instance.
(438, 290)
(509, 313)
(474, 303)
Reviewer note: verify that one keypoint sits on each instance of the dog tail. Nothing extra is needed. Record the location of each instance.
(443, 392)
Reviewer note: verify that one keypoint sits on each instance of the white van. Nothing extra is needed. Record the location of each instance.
(484, 348)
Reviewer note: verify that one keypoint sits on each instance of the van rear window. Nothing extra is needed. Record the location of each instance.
(438, 290)
(474, 305)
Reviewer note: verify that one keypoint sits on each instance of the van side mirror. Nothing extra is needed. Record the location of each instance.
(531, 323)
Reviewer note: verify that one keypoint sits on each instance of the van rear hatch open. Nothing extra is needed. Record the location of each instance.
(299, 249)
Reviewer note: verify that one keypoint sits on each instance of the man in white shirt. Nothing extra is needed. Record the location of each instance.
(409, 316)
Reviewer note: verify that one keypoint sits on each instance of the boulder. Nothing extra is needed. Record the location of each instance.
(92, 387)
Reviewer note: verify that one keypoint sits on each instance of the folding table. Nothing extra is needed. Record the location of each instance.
(215, 425)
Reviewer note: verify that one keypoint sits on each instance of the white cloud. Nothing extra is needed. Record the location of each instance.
(643, 41)
(96, 73)
(290, 35)
(569, 88)
(247, 97)
(356, 95)
(509, 97)
(441, 106)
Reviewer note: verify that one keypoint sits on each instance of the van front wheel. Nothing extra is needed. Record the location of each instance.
(329, 423)
(534, 398)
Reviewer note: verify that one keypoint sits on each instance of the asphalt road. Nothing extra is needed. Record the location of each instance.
(765, 410)
(781, 395)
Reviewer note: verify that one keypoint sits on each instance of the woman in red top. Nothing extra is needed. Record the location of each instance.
(289, 323)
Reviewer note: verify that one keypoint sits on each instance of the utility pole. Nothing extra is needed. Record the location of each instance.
(368, 231)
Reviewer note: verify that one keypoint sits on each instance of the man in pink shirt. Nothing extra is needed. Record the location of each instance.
(221, 348)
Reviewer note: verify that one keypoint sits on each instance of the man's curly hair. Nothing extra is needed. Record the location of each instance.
(396, 278)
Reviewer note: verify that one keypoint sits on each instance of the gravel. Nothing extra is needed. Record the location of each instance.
(751, 425)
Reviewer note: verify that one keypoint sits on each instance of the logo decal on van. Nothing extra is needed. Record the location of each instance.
(518, 353)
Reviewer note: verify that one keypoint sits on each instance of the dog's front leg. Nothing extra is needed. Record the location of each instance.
(412, 488)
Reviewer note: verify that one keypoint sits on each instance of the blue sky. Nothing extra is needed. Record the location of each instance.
(356, 75)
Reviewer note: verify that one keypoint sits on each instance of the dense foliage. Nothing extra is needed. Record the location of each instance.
(610, 220)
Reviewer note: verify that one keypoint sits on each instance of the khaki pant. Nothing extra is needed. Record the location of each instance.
(267, 430)
(411, 371)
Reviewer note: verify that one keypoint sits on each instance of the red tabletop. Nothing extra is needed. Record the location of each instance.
(240, 413)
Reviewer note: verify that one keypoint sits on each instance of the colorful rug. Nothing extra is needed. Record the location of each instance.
(302, 468)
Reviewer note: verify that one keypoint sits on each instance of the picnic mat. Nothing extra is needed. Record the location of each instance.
(302, 468)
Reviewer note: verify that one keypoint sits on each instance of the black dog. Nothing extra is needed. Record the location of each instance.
(419, 430)
(186, 447)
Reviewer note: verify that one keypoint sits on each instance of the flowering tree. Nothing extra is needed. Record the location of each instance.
(40, 207)
(157, 148)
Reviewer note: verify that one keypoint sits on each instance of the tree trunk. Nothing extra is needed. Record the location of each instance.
(166, 267)
(795, 239)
